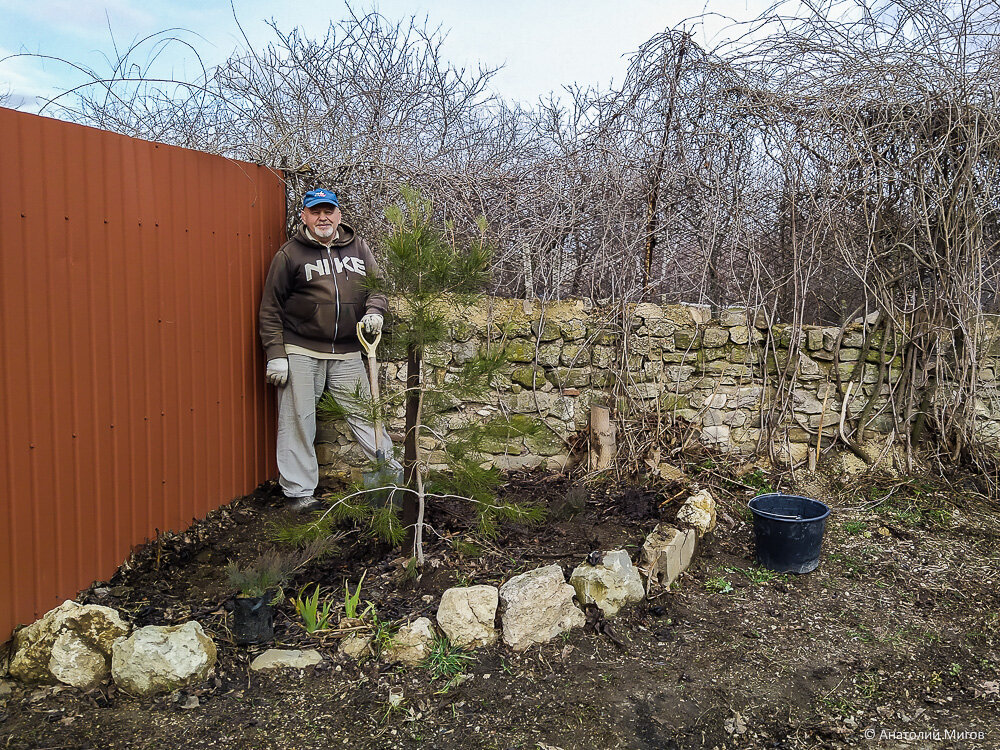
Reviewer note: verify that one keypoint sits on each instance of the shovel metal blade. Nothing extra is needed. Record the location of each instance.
(383, 476)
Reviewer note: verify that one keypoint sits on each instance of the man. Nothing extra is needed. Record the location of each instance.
(313, 299)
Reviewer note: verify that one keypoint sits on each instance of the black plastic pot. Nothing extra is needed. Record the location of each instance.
(253, 619)
(789, 531)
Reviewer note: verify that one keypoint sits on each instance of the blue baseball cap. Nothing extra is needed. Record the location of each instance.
(315, 197)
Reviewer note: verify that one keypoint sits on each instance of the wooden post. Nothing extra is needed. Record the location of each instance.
(603, 448)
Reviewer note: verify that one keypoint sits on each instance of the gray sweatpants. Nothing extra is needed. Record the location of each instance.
(298, 471)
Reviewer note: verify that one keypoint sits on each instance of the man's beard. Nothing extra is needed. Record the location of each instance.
(324, 232)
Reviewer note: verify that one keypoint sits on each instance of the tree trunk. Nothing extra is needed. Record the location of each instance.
(410, 507)
(418, 527)
(656, 173)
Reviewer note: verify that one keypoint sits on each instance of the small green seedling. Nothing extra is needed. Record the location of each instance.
(383, 633)
(353, 601)
(855, 527)
(757, 576)
(466, 548)
(315, 616)
(719, 585)
(395, 704)
(759, 481)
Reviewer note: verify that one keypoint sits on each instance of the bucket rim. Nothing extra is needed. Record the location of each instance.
(779, 517)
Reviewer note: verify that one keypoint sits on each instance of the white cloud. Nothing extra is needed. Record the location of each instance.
(81, 18)
(26, 79)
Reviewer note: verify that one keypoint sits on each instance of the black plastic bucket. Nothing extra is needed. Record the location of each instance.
(789, 531)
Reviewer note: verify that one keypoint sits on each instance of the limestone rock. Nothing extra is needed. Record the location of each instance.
(717, 435)
(845, 463)
(749, 396)
(611, 584)
(85, 634)
(700, 314)
(808, 366)
(356, 645)
(715, 337)
(277, 658)
(573, 330)
(814, 339)
(648, 311)
(159, 659)
(466, 615)
(698, 512)
(733, 316)
(716, 401)
(666, 553)
(537, 606)
(792, 453)
(667, 472)
(412, 643)
(77, 663)
(805, 402)
(739, 336)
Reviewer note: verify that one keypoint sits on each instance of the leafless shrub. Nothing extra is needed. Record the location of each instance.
(826, 165)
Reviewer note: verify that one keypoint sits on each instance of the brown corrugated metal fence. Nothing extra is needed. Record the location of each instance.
(131, 395)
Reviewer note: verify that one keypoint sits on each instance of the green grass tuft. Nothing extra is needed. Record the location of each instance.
(447, 662)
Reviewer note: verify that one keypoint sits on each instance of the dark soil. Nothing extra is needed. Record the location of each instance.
(891, 643)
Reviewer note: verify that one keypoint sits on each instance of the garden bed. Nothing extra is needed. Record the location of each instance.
(895, 633)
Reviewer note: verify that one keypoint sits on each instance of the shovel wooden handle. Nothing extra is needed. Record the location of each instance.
(369, 347)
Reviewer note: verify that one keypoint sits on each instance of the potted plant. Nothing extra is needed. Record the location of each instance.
(259, 587)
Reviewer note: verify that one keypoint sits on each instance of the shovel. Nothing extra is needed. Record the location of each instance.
(383, 475)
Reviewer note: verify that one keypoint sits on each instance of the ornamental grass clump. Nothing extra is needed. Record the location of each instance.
(315, 614)
(352, 601)
(446, 662)
(271, 571)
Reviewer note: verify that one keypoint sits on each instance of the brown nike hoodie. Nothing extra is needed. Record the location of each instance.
(314, 295)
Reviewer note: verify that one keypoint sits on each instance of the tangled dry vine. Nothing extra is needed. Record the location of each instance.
(830, 161)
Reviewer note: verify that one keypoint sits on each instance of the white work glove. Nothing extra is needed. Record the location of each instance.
(372, 323)
(277, 372)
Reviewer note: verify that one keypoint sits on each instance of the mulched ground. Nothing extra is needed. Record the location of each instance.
(891, 643)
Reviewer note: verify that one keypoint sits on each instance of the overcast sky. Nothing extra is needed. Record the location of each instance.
(542, 45)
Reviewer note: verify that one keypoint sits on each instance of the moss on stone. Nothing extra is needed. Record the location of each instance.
(572, 377)
(714, 353)
(544, 443)
(530, 376)
(715, 337)
(520, 350)
(574, 355)
(722, 367)
(573, 330)
(550, 330)
(672, 401)
(462, 330)
(602, 378)
(548, 354)
(687, 338)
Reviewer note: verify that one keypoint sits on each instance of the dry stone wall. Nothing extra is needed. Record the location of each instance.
(718, 372)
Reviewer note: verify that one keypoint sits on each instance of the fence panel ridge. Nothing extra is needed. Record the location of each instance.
(132, 398)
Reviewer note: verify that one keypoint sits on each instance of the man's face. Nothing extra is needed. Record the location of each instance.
(322, 220)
